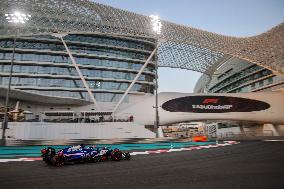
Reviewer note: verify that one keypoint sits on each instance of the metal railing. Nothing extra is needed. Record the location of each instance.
(245, 135)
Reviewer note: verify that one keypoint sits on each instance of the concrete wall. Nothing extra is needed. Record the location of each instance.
(52, 131)
(228, 131)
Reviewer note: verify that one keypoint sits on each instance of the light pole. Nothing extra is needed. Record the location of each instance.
(156, 98)
(156, 26)
(14, 18)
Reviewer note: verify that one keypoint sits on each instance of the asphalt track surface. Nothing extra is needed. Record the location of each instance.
(245, 165)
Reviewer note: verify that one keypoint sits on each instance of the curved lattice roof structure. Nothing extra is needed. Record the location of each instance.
(179, 46)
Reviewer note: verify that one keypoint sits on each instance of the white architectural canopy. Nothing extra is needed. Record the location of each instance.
(179, 46)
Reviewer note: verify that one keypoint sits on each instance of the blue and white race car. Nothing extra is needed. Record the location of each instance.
(80, 153)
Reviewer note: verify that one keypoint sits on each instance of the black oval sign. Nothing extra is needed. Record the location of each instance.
(214, 104)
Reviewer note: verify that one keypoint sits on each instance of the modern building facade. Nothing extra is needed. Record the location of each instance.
(236, 75)
(108, 62)
(89, 62)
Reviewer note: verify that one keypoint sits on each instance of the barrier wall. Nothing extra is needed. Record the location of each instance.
(57, 131)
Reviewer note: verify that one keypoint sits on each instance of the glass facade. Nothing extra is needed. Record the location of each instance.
(243, 81)
(103, 62)
(79, 48)
(109, 64)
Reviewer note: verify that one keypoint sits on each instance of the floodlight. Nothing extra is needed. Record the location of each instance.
(17, 17)
(156, 24)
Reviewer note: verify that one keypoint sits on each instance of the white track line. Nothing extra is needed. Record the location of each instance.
(273, 140)
(138, 153)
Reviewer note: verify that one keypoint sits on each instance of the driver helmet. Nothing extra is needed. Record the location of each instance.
(82, 146)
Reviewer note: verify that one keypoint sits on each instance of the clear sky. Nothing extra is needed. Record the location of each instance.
(228, 17)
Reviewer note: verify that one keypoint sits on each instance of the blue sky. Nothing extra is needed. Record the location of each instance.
(228, 17)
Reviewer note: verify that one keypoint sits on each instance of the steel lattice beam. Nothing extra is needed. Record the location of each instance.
(180, 46)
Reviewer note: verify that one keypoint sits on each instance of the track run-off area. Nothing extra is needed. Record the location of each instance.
(254, 164)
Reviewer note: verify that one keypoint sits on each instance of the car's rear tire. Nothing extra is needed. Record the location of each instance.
(127, 156)
(58, 161)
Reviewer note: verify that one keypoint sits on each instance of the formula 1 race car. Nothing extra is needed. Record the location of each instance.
(115, 155)
(80, 153)
(68, 155)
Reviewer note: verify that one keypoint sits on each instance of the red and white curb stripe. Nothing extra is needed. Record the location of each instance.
(226, 143)
(20, 159)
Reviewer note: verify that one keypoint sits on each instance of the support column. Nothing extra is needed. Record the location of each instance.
(157, 118)
(6, 112)
(16, 110)
(242, 130)
(270, 128)
(279, 129)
